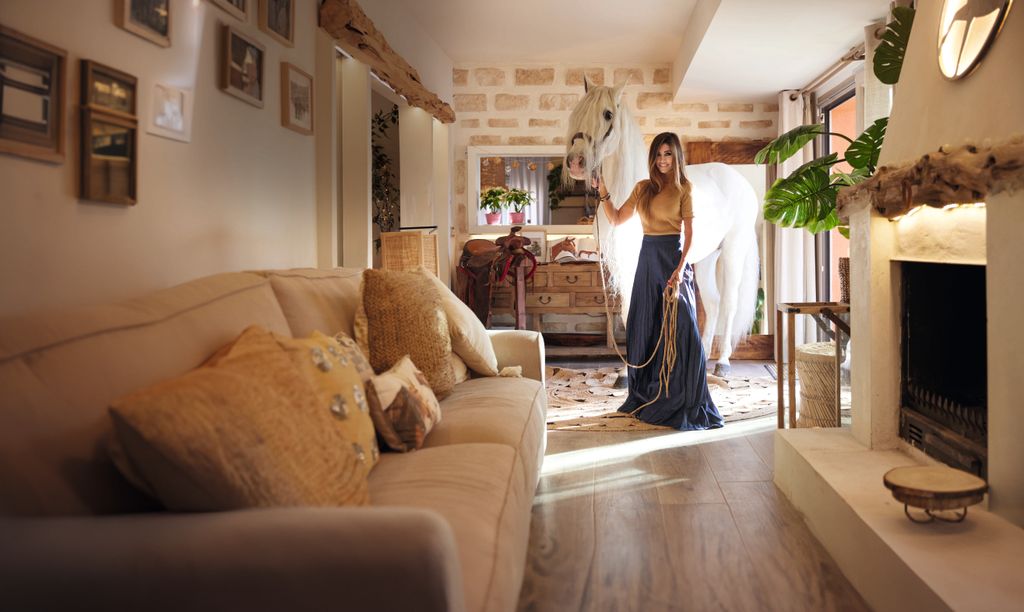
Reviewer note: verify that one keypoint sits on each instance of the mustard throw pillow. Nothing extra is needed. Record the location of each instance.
(470, 340)
(405, 409)
(401, 314)
(250, 430)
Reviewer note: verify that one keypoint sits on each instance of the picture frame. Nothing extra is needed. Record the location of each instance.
(277, 19)
(538, 243)
(108, 89)
(32, 90)
(171, 112)
(109, 146)
(296, 99)
(149, 19)
(236, 8)
(242, 67)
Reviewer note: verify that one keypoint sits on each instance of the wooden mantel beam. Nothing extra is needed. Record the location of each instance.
(356, 34)
(952, 175)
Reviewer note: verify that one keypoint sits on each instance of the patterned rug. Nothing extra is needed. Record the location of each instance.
(586, 400)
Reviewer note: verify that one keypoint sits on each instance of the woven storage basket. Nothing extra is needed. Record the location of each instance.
(816, 370)
(404, 251)
(844, 280)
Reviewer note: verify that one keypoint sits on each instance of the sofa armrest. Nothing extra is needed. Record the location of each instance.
(267, 559)
(520, 347)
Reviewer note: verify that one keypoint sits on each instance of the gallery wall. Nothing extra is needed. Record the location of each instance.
(239, 196)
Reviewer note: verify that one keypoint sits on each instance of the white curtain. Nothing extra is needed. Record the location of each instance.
(794, 248)
(531, 175)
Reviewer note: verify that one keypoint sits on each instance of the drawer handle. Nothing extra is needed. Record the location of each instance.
(573, 280)
(599, 299)
(544, 299)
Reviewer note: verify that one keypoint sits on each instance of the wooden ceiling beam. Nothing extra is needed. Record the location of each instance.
(355, 33)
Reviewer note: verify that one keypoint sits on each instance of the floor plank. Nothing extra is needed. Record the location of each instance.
(686, 477)
(733, 459)
(763, 443)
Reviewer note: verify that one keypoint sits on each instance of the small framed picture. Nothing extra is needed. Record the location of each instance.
(108, 158)
(150, 19)
(538, 243)
(105, 88)
(277, 18)
(171, 113)
(235, 8)
(242, 67)
(296, 99)
(32, 76)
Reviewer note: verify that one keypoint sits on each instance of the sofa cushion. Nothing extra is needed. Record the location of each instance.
(60, 371)
(498, 410)
(401, 314)
(469, 336)
(317, 300)
(405, 409)
(481, 494)
(251, 430)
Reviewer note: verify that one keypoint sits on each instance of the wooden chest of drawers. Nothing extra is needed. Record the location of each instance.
(561, 289)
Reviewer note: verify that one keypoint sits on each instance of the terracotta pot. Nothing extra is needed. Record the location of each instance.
(515, 217)
(493, 218)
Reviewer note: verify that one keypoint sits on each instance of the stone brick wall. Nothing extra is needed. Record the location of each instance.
(529, 105)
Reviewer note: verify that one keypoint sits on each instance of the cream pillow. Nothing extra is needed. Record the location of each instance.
(469, 336)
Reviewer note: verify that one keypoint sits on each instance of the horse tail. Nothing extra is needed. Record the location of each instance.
(746, 296)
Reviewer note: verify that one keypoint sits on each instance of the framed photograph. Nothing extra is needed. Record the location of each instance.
(32, 76)
(242, 68)
(277, 18)
(235, 8)
(150, 19)
(171, 113)
(107, 89)
(296, 99)
(108, 157)
(538, 243)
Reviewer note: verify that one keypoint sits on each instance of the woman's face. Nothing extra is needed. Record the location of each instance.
(664, 160)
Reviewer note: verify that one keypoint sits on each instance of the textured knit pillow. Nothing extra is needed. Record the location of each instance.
(469, 336)
(248, 431)
(334, 375)
(406, 409)
(401, 314)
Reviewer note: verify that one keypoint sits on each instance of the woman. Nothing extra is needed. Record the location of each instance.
(663, 203)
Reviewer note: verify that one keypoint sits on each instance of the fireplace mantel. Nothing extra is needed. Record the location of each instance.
(951, 175)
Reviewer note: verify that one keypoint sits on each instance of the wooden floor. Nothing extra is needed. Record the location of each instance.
(652, 521)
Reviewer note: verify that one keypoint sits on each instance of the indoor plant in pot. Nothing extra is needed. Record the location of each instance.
(493, 200)
(517, 199)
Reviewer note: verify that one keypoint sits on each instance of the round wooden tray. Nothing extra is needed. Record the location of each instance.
(935, 488)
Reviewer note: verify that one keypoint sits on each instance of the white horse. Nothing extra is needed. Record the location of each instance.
(604, 138)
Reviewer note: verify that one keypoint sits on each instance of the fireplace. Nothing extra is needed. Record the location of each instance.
(944, 399)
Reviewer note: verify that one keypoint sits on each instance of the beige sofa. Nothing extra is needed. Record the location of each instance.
(447, 528)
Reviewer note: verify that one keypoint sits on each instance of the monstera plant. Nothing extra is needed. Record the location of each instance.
(807, 196)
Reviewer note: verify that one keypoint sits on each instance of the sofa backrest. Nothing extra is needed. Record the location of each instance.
(317, 300)
(59, 372)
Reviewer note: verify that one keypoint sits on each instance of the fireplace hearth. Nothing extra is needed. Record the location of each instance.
(943, 409)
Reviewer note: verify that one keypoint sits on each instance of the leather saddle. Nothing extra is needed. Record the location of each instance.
(485, 264)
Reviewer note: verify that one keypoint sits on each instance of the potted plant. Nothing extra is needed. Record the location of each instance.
(493, 200)
(517, 199)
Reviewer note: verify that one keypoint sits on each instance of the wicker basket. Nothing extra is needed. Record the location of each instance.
(816, 370)
(408, 251)
(844, 279)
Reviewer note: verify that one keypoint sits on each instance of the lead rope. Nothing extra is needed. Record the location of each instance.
(667, 335)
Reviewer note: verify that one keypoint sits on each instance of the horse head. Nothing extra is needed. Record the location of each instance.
(595, 129)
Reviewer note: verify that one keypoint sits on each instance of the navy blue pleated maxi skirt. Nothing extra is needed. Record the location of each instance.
(687, 404)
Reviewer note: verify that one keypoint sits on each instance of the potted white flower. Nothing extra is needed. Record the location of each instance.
(493, 200)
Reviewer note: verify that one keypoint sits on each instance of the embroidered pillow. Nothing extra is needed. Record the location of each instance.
(405, 409)
(249, 430)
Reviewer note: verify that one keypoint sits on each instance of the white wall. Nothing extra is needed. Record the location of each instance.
(239, 196)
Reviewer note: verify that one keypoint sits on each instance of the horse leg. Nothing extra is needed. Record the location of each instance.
(738, 284)
(704, 276)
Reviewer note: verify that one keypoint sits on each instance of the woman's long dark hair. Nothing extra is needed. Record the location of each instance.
(658, 180)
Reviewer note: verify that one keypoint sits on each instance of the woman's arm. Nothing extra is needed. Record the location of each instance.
(687, 240)
(618, 215)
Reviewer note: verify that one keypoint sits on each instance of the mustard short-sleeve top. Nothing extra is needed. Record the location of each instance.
(665, 212)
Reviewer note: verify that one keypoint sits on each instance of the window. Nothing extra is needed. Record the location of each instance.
(839, 114)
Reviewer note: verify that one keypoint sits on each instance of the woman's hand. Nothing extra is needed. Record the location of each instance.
(675, 277)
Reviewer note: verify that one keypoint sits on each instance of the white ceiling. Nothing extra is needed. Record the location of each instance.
(752, 48)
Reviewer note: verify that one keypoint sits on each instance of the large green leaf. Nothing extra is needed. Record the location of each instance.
(785, 146)
(845, 180)
(863, 152)
(806, 198)
(888, 60)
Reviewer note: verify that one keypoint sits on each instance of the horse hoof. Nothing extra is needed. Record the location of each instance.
(722, 369)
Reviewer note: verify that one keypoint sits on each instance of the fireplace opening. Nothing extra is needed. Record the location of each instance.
(944, 389)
